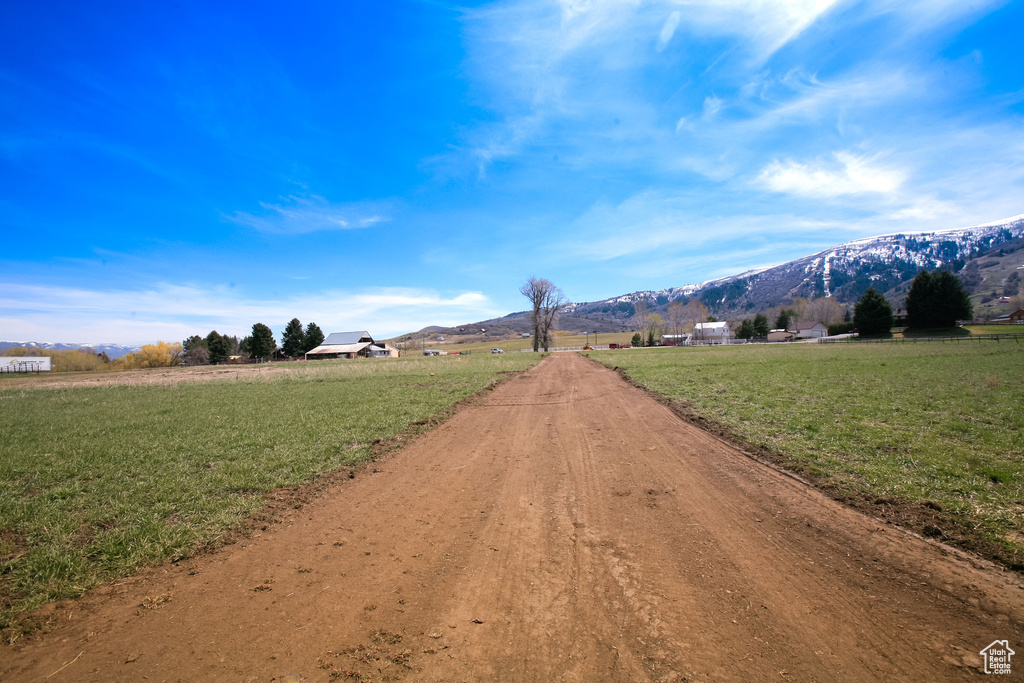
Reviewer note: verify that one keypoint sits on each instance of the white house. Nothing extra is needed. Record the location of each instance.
(814, 330)
(714, 332)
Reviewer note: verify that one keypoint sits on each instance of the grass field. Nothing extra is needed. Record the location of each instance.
(933, 424)
(519, 344)
(995, 329)
(98, 482)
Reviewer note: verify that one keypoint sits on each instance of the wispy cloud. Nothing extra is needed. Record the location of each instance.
(300, 214)
(171, 312)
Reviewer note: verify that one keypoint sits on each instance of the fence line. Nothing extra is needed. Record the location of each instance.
(913, 340)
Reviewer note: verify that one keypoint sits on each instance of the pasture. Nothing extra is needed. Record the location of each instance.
(99, 481)
(933, 430)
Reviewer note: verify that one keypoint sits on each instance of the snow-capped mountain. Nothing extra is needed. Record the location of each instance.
(112, 350)
(844, 272)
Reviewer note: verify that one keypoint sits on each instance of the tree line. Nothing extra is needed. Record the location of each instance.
(260, 344)
(936, 299)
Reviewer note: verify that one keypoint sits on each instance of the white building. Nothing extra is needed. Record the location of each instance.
(24, 363)
(814, 330)
(714, 332)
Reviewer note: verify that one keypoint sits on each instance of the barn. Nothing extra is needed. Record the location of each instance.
(351, 345)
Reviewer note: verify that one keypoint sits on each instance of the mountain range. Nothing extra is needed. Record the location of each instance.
(844, 272)
(989, 259)
(112, 350)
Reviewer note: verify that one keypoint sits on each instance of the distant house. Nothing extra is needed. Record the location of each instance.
(813, 330)
(343, 345)
(675, 339)
(1017, 316)
(713, 332)
(780, 336)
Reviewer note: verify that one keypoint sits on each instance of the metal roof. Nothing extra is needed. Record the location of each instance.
(347, 338)
(339, 348)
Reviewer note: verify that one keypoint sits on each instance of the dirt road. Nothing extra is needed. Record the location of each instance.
(562, 527)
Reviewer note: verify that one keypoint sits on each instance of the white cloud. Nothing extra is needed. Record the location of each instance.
(668, 30)
(845, 174)
(171, 312)
(765, 26)
(712, 105)
(300, 214)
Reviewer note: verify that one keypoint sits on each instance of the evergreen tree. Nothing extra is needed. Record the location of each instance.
(937, 300)
(746, 330)
(761, 328)
(262, 344)
(782, 322)
(952, 302)
(217, 345)
(195, 351)
(650, 338)
(314, 337)
(293, 339)
(872, 314)
(637, 340)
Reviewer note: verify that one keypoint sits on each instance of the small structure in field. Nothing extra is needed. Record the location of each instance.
(25, 364)
(675, 339)
(345, 345)
(1017, 316)
(812, 330)
(780, 336)
(383, 350)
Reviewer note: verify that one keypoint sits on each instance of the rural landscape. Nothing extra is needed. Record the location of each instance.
(512, 340)
(195, 496)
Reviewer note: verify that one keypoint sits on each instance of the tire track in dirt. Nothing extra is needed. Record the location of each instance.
(564, 526)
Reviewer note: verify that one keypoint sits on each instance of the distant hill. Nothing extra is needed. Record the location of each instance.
(112, 350)
(983, 255)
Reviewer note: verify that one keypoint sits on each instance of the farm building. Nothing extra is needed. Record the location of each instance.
(780, 335)
(383, 350)
(1017, 316)
(351, 345)
(675, 339)
(813, 330)
(715, 332)
(25, 364)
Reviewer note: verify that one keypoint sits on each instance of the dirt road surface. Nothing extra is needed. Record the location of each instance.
(563, 527)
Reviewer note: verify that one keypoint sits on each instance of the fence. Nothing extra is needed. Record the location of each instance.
(913, 340)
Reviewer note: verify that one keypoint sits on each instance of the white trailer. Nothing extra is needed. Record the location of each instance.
(24, 363)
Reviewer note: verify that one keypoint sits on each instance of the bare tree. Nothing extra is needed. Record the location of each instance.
(547, 300)
(639, 314)
(824, 310)
(696, 312)
(677, 316)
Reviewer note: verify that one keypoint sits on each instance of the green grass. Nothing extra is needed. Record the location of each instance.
(96, 483)
(914, 423)
(518, 343)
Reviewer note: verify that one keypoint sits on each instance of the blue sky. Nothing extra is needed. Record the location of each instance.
(171, 169)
